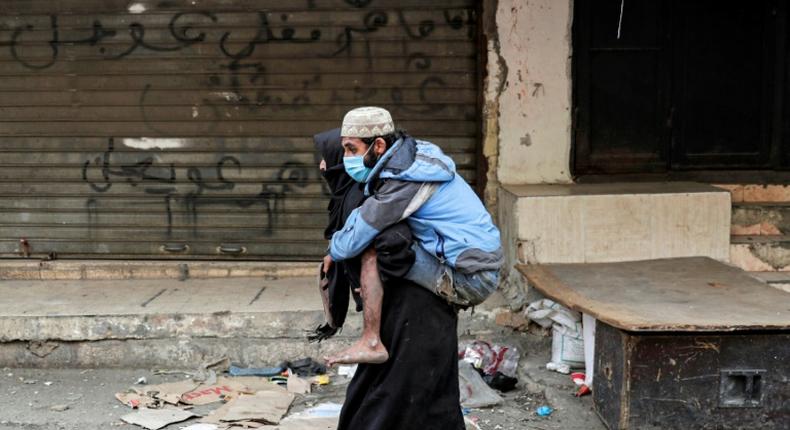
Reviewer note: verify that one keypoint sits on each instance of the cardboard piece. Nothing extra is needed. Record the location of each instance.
(205, 394)
(264, 406)
(193, 393)
(169, 392)
(154, 419)
(298, 385)
(254, 383)
(135, 400)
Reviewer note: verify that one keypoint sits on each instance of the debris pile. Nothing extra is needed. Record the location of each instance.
(246, 397)
(496, 364)
(567, 347)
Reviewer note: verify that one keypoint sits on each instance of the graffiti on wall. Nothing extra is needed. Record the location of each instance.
(239, 80)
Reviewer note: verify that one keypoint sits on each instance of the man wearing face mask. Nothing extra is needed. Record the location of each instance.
(457, 248)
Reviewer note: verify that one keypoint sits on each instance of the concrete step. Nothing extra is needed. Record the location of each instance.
(760, 253)
(760, 219)
(166, 322)
(32, 269)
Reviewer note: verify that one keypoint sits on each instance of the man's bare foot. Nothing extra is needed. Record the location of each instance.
(363, 351)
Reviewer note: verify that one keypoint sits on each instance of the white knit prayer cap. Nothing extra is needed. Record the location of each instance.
(368, 121)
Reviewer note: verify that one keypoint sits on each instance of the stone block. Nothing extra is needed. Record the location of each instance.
(591, 223)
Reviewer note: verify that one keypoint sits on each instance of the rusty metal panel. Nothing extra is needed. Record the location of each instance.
(166, 129)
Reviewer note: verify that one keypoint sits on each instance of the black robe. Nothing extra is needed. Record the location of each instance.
(417, 388)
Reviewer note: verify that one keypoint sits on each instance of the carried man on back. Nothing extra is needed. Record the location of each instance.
(457, 249)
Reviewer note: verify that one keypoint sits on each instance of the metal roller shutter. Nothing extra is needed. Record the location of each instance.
(183, 128)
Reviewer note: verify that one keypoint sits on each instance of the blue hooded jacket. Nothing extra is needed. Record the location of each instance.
(418, 182)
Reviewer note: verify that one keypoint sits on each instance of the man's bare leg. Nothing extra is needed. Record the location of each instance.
(368, 349)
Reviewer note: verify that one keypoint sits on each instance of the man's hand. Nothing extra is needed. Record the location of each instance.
(327, 263)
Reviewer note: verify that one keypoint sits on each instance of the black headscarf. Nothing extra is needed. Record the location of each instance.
(345, 196)
(345, 193)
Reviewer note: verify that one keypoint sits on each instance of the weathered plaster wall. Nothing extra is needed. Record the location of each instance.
(526, 110)
(495, 76)
(529, 88)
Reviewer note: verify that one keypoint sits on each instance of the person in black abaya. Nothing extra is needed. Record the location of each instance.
(418, 386)
(345, 196)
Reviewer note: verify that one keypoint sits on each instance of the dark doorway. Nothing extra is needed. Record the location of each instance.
(678, 86)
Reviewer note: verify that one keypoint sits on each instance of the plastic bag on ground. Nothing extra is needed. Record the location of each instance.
(546, 313)
(490, 358)
(475, 393)
(567, 343)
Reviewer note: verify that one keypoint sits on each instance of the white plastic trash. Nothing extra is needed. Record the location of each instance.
(475, 393)
(589, 348)
(567, 343)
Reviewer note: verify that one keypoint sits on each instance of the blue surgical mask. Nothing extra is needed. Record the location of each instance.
(356, 168)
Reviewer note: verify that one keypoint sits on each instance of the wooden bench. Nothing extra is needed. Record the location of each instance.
(682, 343)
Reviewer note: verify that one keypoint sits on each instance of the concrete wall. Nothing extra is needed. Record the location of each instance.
(527, 109)
(527, 125)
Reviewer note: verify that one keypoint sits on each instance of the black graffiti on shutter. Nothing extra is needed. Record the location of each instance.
(99, 33)
(459, 18)
(266, 35)
(292, 177)
(243, 76)
(133, 174)
(182, 38)
(370, 24)
(426, 105)
(424, 30)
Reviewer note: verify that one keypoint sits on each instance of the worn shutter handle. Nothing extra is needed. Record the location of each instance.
(232, 249)
(175, 247)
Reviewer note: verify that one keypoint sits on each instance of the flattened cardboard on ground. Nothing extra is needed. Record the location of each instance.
(228, 386)
(264, 406)
(255, 383)
(205, 394)
(154, 419)
(298, 385)
(169, 392)
(135, 400)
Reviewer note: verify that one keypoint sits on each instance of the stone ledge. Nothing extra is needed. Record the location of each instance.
(595, 223)
(24, 269)
(166, 322)
(166, 353)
